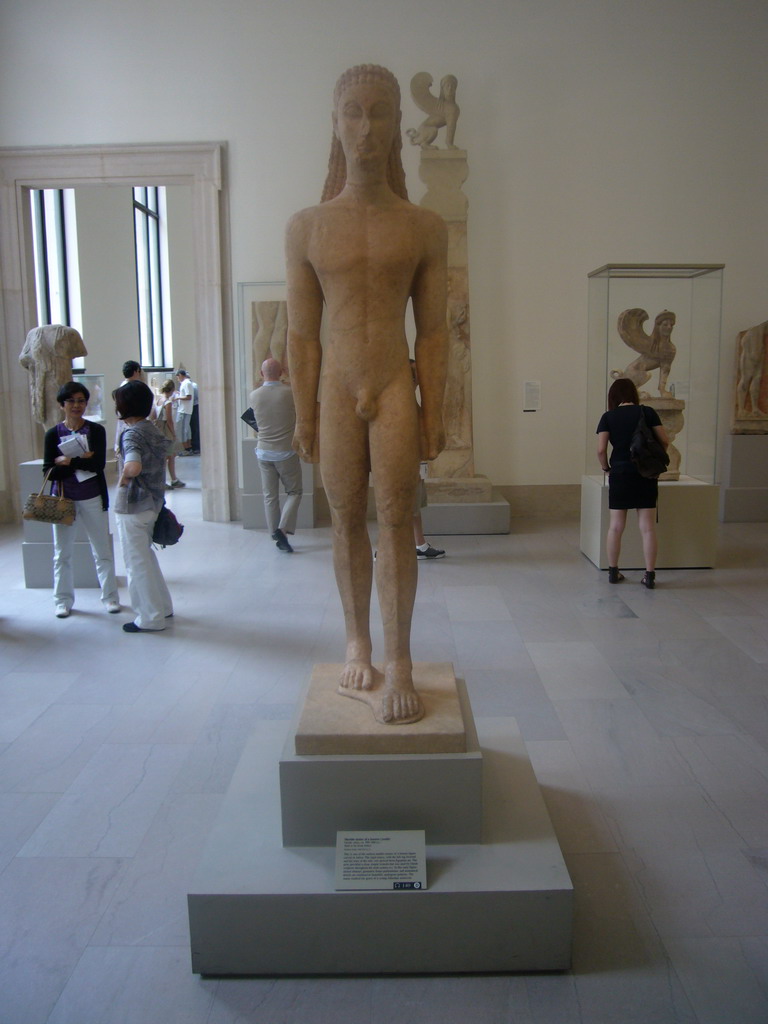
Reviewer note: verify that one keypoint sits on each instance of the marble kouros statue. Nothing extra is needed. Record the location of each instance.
(656, 352)
(364, 252)
(47, 354)
(443, 110)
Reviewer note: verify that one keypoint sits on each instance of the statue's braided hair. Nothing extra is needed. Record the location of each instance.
(337, 164)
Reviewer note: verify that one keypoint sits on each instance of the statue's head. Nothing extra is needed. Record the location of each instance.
(661, 318)
(448, 86)
(383, 80)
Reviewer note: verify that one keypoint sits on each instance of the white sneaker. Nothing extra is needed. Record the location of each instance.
(62, 612)
(113, 607)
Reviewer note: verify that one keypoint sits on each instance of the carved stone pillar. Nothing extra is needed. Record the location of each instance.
(670, 412)
(452, 475)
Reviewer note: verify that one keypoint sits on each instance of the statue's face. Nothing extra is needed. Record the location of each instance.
(665, 327)
(365, 121)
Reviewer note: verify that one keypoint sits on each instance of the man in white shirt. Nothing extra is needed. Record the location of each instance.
(186, 405)
(275, 414)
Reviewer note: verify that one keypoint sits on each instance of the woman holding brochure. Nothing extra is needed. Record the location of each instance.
(75, 453)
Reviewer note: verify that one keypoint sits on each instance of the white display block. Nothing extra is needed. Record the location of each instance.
(254, 516)
(505, 904)
(686, 529)
(37, 542)
(445, 519)
(441, 793)
(744, 496)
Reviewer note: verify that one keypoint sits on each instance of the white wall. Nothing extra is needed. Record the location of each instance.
(597, 132)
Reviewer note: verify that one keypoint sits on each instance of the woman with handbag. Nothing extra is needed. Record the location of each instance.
(140, 496)
(81, 478)
(626, 487)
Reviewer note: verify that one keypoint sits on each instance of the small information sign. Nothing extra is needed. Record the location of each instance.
(381, 860)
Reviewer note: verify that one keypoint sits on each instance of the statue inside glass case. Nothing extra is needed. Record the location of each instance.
(656, 350)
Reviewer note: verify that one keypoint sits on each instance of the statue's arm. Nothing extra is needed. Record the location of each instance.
(431, 348)
(305, 309)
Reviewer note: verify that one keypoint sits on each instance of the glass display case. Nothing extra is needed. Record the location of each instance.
(628, 338)
(95, 384)
(659, 325)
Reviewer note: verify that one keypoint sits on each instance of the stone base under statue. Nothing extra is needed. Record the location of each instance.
(332, 723)
(505, 903)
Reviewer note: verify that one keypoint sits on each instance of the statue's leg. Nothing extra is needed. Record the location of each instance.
(345, 467)
(280, 334)
(394, 440)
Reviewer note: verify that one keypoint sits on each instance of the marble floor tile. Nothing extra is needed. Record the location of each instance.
(719, 980)
(48, 911)
(475, 604)
(574, 670)
(645, 715)
(108, 808)
(133, 985)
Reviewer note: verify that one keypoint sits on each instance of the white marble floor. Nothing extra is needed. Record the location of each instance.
(645, 715)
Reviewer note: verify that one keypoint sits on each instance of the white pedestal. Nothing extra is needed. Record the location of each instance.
(441, 793)
(505, 904)
(37, 542)
(445, 519)
(686, 529)
(254, 517)
(745, 479)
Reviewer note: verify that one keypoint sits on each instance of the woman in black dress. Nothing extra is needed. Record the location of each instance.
(626, 488)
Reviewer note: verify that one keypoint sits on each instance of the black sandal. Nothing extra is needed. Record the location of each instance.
(649, 579)
(614, 576)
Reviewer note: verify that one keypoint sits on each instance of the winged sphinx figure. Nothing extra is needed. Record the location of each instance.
(656, 351)
(443, 110)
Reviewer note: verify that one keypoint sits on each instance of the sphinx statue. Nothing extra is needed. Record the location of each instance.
(656, 351)
(443, 110)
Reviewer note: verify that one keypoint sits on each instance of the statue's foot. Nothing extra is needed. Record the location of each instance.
(359, 674)
(391, 695)
(397, 707)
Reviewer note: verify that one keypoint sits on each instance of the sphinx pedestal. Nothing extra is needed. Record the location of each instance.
(686, 529)
(499, 897)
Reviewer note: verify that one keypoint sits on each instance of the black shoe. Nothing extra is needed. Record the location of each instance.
(282, 541)
(614, 576)
(649, 579)
(430, 552)
(131, 627)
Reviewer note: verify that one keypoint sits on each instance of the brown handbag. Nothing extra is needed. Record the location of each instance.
(49, 508)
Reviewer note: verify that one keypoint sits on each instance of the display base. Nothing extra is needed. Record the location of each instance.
(402, 781)
(257, 908)
(744, 496)
(444, 519)
(686, 529)
(37, 542)
(330, 722)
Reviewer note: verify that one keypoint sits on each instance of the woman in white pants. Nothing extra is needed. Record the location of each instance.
(81, 477)
(140, 495)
